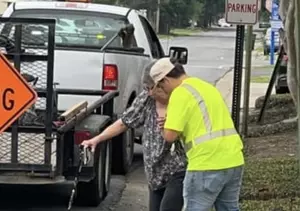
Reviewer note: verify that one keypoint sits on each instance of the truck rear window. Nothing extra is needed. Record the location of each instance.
(76, 28)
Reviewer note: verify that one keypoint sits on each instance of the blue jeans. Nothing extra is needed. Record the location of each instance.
(203, 190)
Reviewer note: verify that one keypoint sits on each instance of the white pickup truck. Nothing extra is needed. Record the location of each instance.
(81, 62)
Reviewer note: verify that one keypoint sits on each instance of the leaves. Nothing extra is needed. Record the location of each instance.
(177, 13)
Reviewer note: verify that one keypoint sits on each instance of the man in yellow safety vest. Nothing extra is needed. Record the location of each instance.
(198, 114)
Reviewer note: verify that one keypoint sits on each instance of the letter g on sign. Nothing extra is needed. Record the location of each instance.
(7, 102)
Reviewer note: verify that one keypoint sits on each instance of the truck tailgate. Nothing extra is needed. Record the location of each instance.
(77, 70)
(72, 70)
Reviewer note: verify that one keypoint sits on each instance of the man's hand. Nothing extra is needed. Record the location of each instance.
(91, 143)
(170, 135)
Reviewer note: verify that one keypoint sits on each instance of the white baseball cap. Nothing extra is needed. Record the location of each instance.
(160, 69)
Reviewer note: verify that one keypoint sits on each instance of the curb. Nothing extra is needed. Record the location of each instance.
(271, 129)
(223, 76)
(271, 116)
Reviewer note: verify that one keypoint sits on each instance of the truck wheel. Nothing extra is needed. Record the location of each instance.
(107, 167)
(123, 152)
(91, 193)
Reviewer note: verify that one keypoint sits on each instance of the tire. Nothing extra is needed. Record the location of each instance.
(123, 152)
(266, 52)
(92, 193)
(107, 168)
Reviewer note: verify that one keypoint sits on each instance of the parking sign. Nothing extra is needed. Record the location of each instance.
(241, 12)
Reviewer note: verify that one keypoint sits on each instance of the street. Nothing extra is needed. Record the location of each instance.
(211, 54)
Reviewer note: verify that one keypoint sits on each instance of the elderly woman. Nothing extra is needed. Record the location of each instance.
(165, 164)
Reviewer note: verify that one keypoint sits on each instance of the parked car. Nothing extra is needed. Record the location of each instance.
(281, 86)
(267, 41)
(264, 25)
(222, 23)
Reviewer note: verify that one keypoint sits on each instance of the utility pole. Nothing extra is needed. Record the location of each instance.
(157, 16)
(247, 80)
(297, 26)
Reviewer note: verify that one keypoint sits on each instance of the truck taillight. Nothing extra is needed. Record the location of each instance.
(80, 136)
(110, 77)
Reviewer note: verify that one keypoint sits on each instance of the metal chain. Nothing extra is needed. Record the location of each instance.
(83, 160)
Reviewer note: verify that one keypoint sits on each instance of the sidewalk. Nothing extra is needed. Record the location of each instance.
(225, 85)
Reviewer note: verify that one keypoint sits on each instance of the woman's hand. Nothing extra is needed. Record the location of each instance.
(91, 143)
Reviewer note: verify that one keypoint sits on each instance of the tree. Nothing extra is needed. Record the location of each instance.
(287, 14)
(177, 13)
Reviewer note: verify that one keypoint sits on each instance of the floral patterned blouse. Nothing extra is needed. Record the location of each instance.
(161, 159)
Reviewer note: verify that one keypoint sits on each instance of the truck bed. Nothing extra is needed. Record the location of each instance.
(31, 148)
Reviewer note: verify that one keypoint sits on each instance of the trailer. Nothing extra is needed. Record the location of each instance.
(47, 149)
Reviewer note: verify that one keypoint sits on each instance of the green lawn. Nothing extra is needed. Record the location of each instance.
(164, 36)
(270, 184)
(264, 68)
(260, 79)
(180, 32)
(184, 32)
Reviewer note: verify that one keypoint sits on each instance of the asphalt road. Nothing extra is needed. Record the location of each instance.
(211, 53)
(210, 57)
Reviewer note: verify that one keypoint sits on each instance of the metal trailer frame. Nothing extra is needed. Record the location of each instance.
(103, 106)
(17, 56)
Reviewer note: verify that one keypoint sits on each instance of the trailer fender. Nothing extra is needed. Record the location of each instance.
(94, 124)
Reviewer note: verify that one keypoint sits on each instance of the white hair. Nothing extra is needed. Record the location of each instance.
(146, 79)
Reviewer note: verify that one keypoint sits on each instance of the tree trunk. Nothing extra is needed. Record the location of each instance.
(291, 51)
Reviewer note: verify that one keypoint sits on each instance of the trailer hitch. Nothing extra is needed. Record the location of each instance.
(84, 158)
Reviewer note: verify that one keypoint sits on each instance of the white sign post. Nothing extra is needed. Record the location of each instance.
(241, 12)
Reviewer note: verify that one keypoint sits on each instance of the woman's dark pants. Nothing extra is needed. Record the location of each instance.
(169, 198)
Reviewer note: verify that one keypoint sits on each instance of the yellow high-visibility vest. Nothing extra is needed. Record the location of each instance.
(210, 138)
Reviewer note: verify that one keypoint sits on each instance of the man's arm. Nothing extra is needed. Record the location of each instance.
(177, 114)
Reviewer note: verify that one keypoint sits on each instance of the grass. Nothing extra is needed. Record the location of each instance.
(271, 205)
(180, 33)
(260, 79)
(164, 36)
(184, 32)
(271, 177)
(259, 49)
(271, 184)
(268, 178)
(263, 68)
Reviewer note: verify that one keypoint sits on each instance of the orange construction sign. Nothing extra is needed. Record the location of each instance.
(16, 95)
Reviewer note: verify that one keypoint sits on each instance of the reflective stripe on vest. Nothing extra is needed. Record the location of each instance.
(209, 135)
